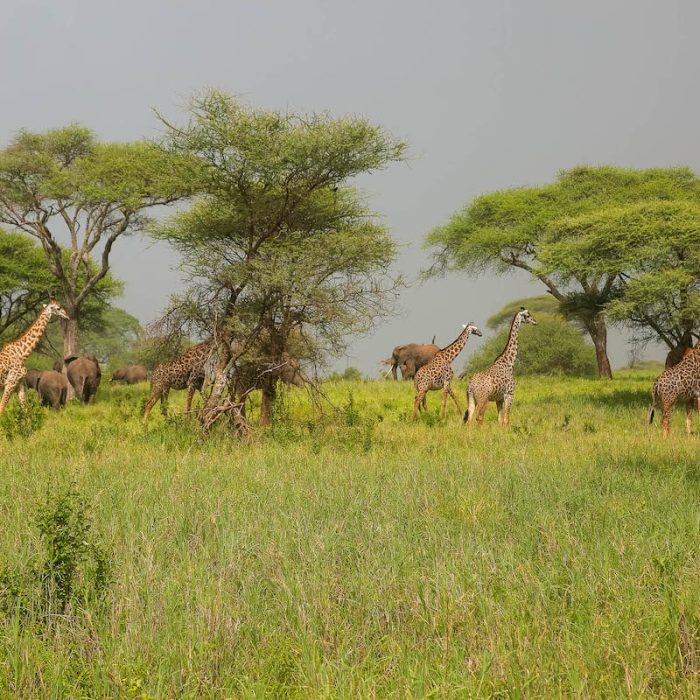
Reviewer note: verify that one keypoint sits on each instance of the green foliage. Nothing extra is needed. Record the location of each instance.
(281, 248)
(76, 563)
(17, 422)
(583, 236)
(543, 304)
(115, 340)
(553, 347)
(72, 568)
(351, 374)
(418, 559)
(64, 179)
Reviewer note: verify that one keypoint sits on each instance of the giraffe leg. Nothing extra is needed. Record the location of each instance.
(507, 403)
(499, 408)
(480, 410)
(21, 395)
(454, 398)
(420, 397)
(9, 388)
(149, 405)
(666, 419)
(689, 405)
(444, 402)
(190, 395)
(164, 402)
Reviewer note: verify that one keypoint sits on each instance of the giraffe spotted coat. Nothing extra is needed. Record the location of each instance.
(497, 383)
(13, 355)
(184, 372)
(438, 373)
(678, 383)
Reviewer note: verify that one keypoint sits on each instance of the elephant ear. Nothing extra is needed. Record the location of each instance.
(69, 359)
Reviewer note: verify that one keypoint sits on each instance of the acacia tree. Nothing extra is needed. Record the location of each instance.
(656, 246)
(76, 197)
(515, 229)
(281, 252)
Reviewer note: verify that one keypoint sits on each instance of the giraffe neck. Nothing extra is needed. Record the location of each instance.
(510, 352)
(455, 347)
(31, 337)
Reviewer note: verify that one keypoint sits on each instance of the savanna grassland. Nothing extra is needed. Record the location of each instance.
(358, 554)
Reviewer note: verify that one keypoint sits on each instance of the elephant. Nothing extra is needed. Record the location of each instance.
(291, 372)
(133, 374)
(410, 358)
(51, 386)
(85, 376)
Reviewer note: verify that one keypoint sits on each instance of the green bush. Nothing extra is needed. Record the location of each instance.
(551, 347)
(18, 422)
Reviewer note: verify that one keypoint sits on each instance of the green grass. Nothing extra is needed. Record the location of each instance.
(360, 554)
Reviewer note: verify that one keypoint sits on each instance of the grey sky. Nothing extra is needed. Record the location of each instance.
(489, 94)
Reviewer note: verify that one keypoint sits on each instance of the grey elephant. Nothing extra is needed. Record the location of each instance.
(85, 375)
(133, 374)
(410, 358)
(51, 386)
(291, 372)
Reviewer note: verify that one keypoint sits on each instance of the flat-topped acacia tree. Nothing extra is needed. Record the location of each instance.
(76, 197)
(280, 249)
(541, 230)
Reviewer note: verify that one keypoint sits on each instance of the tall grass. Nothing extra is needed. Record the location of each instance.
(359, 554)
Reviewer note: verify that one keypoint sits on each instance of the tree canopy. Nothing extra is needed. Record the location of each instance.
(529, 229)
(280, 249)
(76, 197)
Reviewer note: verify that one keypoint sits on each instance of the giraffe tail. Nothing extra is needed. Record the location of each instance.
(466, 416)
(650, 415)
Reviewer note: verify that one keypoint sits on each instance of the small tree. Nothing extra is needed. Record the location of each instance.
(281, 252)
(514, 229)
(76, 197)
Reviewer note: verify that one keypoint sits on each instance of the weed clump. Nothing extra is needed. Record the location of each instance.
(72, 568)
(18, 422)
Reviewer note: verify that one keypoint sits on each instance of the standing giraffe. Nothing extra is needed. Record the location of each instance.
(678, 383)
(437, 374)
(497, 383)
(13, 355)
(184, 372)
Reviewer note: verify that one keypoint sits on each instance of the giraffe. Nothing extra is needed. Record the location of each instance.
(13, 355)
(680, 382)
(437, 374)
(497, 383)
(184, 372)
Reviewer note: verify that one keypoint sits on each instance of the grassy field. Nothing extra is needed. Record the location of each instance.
(359, 554)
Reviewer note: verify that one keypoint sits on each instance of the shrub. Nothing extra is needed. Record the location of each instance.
(552, 347)
(18, 422)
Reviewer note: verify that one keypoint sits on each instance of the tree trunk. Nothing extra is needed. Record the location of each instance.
(70, 345)
(269, 394)
(599, 335)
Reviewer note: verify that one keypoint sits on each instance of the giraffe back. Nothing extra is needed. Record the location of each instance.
(682, 381)
(185, 370)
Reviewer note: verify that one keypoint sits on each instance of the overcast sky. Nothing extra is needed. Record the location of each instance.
(489, 94)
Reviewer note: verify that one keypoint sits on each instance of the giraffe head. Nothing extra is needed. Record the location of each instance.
(526, 316)
(53, 307)
(472, 328)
